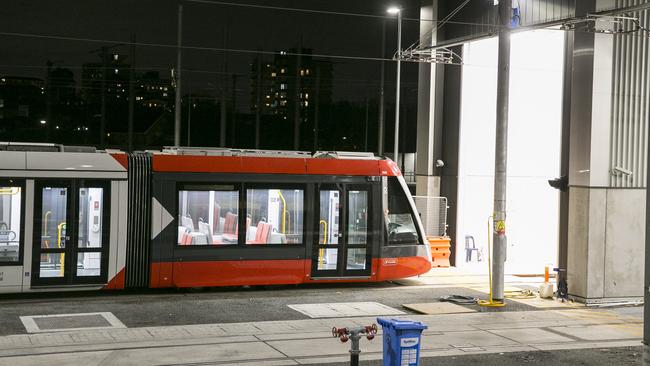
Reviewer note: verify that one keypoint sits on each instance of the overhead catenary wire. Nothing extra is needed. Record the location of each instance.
(185, 47)
(428, 37)
(325, 12)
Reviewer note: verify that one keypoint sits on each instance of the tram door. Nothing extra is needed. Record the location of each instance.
(71, 232)
(343, 248)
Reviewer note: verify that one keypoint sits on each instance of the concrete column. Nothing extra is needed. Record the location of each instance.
(429, 118)
(450, 149)
(606, 227)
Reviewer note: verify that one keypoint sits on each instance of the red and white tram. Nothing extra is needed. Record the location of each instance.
(76, 218)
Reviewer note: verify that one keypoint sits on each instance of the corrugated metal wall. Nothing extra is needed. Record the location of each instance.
(545, 11)
(630, 101)
(479, 18)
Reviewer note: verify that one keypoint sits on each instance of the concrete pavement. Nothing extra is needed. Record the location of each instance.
(309, 341)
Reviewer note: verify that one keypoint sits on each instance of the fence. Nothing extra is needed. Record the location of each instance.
(433, 212)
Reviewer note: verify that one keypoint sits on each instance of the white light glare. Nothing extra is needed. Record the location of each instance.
(393, 10)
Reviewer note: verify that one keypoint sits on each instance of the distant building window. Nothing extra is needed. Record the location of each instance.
(283, 86)
(306, 95)
(307, 71)
(116, 57)
(273, 74)
(302, 72)
(306, 103)
(283, 103)
(282, 70)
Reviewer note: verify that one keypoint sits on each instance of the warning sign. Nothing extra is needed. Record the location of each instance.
(500, 227)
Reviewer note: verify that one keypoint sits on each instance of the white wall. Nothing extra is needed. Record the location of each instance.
(533, 148)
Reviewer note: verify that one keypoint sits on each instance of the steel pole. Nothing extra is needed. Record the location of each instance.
(397, 87)
(258, 101)
(501, 153)
(102, 120)
(131, 96)
(177, 106)
(316, 108)
(189, 115)
(224, 85)
(297, 105)
(380, 133)
(646, 282)
(365, 128)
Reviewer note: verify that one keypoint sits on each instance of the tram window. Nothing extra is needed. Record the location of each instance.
(274, 216)
(399, 218)
(10, 214)
(91, 207)
(208, 217)
(357, 217)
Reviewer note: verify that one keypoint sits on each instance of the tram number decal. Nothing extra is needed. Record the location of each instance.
(390, 261)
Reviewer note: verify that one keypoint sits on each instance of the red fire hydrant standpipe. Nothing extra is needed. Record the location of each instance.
(354, 334)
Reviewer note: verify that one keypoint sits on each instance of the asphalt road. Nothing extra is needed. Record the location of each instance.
(218, 305)
(592, 357)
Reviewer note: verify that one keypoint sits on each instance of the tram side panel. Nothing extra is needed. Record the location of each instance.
(118, 235)
(181, 255)
(163, 233)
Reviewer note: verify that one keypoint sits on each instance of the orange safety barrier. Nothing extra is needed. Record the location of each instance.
(440, 250)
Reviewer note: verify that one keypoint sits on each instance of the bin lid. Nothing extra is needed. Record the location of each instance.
(401, 324)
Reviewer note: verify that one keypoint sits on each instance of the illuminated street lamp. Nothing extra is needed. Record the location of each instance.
(394, 10)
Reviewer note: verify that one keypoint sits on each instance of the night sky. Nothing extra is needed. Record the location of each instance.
(155, 21)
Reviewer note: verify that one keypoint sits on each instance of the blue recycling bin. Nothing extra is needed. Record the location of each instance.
(401, 341)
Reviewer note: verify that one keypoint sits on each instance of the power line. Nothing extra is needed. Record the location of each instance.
(195, 48)
(328, 12)
(198, 71)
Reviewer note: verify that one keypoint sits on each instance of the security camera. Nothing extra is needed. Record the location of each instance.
(561, 183)
(440, 163)
(621, 171)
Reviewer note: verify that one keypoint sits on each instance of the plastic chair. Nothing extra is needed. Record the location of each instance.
(470, 246)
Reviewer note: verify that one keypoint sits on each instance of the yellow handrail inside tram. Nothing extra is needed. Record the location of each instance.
(284, 212)
(321, 256)
(45, 217)
(9, 190)
(60, 228)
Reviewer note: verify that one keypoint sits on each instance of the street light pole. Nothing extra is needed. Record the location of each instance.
(397, 11)
(501, 154)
